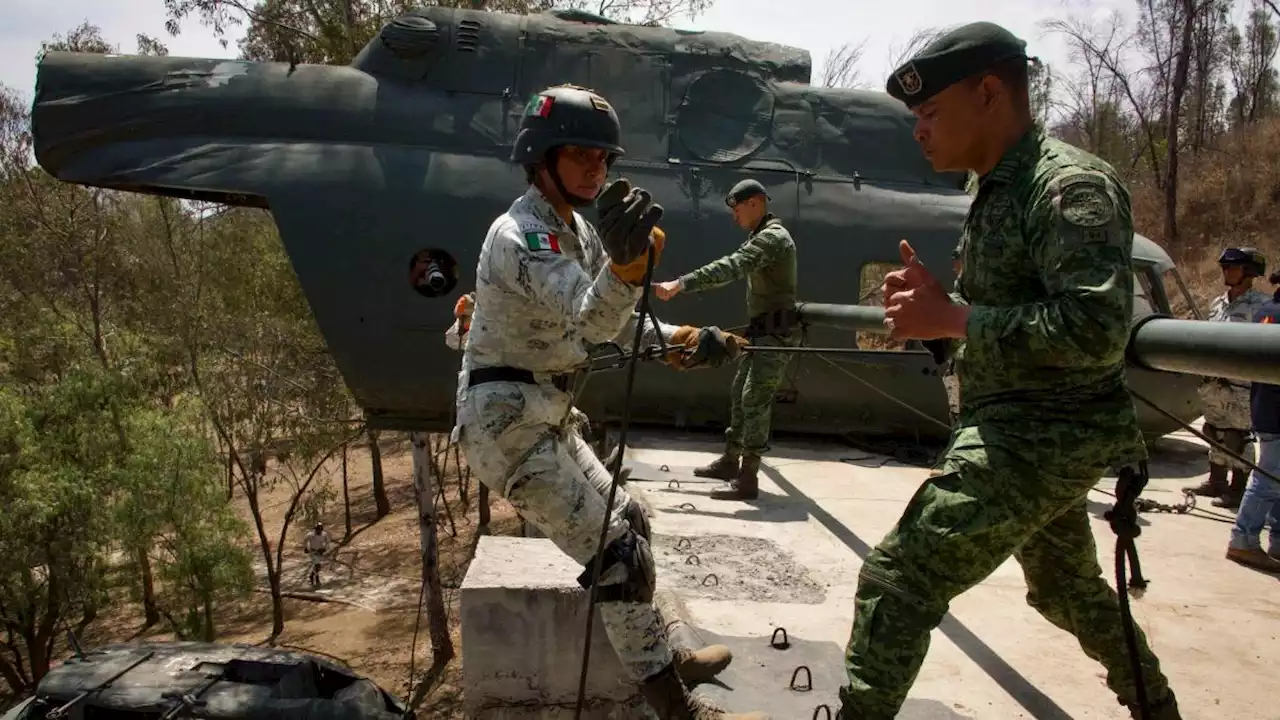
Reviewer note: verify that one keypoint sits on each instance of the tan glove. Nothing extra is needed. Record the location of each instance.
(633, 272)
(685, 336)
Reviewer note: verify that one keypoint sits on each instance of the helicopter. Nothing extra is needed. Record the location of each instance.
(383, 176)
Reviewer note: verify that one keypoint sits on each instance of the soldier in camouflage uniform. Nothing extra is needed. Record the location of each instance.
(1225, 403)
(547, 288)
(768, 261)
(1038, 325)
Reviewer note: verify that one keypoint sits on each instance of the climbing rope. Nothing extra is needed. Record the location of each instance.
(646, 312)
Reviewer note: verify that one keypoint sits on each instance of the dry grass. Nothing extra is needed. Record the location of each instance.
(1229, 195)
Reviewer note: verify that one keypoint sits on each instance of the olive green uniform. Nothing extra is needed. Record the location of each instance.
(1045, 411)
(768, 261)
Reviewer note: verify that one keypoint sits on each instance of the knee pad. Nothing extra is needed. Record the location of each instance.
(627, 573)
(634, 515)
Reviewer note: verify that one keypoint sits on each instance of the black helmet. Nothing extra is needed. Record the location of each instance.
(743, 190)
(565, 115)
(1254, 262)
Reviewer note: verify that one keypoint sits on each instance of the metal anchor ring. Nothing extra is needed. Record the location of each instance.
(682, 506)
(692, 560)
(821, 707)
(687, 543)
(808, 683)
(664, 467)
(710, 576)
(773, 639)
(673, 482)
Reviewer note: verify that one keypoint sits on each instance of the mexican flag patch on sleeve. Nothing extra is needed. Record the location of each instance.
(542, 241)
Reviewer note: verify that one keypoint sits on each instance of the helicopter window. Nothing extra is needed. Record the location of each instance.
(1181, 303)
(870, 279)
(1143, 302)
(726, 116)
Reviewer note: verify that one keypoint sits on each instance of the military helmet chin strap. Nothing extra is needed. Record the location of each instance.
(549, 162)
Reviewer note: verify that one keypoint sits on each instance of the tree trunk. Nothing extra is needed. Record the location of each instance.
(150, 609)
(346, 495)
(379, 489)
(17, 683)
(437, 621)
(1183, 62)
(484, 506)
(277, 602)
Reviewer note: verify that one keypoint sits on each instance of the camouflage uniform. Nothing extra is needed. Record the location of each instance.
(768, 262)
(1048, 276)
(1225, 403)
(537, 309)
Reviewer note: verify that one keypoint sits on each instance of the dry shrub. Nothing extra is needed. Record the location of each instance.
(1228, 196)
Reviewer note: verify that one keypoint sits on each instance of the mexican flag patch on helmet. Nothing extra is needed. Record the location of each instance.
(540, 106)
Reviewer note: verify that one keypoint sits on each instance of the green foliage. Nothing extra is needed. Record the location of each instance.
(57, 465)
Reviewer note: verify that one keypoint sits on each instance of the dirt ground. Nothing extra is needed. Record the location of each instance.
(373, 585)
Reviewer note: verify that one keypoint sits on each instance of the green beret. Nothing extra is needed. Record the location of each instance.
(744, 190)
(952, 57)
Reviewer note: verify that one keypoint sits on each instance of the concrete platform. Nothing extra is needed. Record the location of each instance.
(791, 558)
(523, 626)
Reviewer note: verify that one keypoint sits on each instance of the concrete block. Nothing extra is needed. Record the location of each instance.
(523, 626)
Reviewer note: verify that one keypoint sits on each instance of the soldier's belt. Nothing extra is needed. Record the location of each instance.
(773, 322)
(480, 376)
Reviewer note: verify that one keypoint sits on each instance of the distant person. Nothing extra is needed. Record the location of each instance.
(768, 262)
(1225, 403)
(316, 546)
(1039, 323)
(1260, 504)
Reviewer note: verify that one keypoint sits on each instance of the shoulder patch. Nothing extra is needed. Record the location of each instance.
(1083, 200)
(542, 242)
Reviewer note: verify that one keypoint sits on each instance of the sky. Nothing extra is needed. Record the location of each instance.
(815, 25)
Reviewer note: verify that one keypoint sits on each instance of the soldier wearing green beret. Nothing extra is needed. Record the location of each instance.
(768, 262)
(1037, 326)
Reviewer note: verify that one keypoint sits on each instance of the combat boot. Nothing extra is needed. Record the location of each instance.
(1254, 558)
(671, 700)
(1230, 500)
(1165, 709)
(698, 666)
(724, 467)
(745, 485)
(1215, 486)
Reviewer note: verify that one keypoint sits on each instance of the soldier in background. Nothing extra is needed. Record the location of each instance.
(1039, 324)
(768, 261)
(1225, 403)
(316, 545)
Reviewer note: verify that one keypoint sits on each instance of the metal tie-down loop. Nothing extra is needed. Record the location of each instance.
(808, 683)
(711, 576)
(773, 639)
(821, 707)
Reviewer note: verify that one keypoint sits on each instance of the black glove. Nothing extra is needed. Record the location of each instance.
(634, 514)
(714, 348)
(626, 217)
